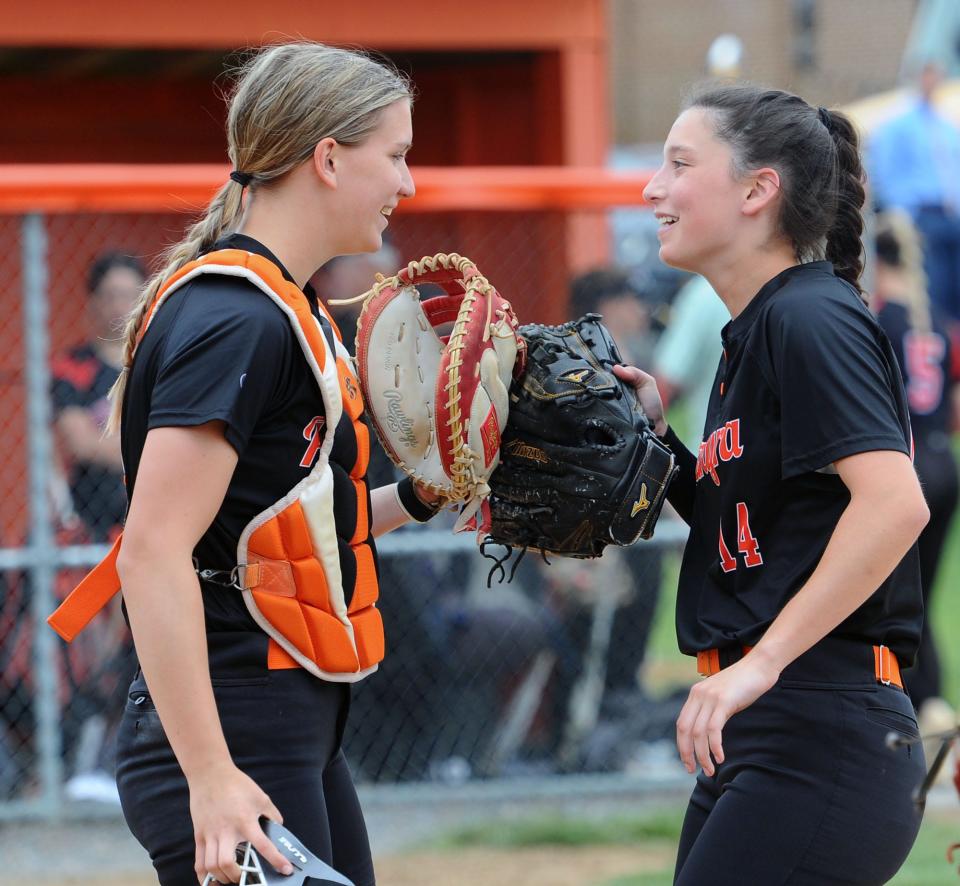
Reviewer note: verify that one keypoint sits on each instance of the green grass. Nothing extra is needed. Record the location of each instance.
(946, 615)
(650, 878)
(561, 831)
(926, 866)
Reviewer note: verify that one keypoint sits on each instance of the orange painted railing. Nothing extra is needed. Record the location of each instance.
(132, 187)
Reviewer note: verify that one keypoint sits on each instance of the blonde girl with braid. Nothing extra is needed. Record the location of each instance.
(927, 350)
(235, 397)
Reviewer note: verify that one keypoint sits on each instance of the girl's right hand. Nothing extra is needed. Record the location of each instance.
(226, 806)
(646, 387)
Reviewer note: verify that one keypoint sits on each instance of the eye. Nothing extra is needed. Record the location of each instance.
(677, 164)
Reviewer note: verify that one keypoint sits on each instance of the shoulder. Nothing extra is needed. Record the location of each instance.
(813, 298)
(218, 297)
(893, 316)
(213, 307)
(817, 315)
(906, 120)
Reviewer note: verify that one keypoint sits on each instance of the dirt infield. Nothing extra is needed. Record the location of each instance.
(541, 866)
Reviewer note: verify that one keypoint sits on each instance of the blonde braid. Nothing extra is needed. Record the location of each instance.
(900, 226)
(222, 215)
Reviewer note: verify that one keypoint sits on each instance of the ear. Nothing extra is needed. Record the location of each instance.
(763, 189)
(325, 161)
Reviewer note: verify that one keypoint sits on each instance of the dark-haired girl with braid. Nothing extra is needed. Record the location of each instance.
(247, 563)
(799, 592)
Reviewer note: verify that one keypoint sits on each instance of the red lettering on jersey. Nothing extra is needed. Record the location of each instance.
(707, 459)
(923, 353)
(747, 543)
(314, 433)
(727, 562)
(746, 540)
(723, 444)
(730, 446)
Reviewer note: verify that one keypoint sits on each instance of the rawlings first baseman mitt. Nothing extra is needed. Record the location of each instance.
(437, 404)
(580, 466)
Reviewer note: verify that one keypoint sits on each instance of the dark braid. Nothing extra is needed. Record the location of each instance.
(817, 157)
(844, 241)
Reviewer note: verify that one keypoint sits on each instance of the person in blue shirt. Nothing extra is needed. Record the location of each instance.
(915, 166)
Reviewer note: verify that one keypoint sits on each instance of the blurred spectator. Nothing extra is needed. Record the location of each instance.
(81, 380)
(930, 362)
(687, 355)
(82, 377)
(915, 166)
(608, 291)
(602, 611)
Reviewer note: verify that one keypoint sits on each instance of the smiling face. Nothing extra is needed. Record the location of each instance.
(695, 196)
(372, 178)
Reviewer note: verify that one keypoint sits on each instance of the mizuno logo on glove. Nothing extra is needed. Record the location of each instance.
(642, 503)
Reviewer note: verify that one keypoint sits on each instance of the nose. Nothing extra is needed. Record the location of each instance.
(407, 187)
(654, 189)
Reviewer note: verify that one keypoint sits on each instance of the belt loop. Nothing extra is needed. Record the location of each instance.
(703, 663)
(883, 674)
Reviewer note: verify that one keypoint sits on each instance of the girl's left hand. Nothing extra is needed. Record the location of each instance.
(715, 700)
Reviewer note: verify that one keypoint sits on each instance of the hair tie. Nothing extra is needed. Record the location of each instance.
(241, 178)
(825, 118)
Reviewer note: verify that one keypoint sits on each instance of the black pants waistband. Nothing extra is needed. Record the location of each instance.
(834, 660)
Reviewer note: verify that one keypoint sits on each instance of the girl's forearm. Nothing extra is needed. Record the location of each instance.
(870, 539)
(164, 604)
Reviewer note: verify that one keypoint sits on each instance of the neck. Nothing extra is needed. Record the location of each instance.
(301, 263)
(286, 219)
(738, 280)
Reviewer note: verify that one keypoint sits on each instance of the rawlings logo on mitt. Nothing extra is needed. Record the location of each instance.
(439, 405)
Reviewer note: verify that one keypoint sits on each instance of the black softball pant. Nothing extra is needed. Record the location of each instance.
(809, 793)
(283, 729)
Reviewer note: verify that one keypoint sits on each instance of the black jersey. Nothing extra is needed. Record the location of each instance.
(807, 377)
(219, 349)
(929, 364)
(82, 380)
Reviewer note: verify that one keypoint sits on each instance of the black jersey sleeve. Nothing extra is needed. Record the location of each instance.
(840, 390)
(681, 491)
(227, 353)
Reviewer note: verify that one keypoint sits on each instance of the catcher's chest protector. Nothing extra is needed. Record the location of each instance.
(289, 556)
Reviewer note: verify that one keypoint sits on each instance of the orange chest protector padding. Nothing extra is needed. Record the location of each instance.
(290, 569)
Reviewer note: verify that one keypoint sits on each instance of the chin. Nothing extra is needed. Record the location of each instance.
(676, 259)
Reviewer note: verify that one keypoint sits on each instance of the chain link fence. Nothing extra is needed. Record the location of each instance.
(539, 676)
